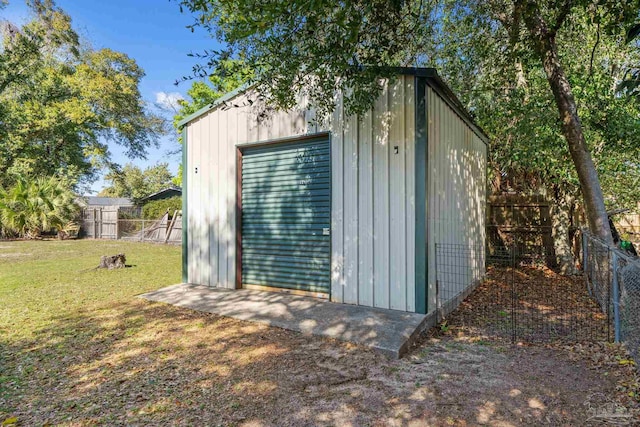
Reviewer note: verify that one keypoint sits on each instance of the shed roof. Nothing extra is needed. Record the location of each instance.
(431, 75)
(108, 201)
(174, 190)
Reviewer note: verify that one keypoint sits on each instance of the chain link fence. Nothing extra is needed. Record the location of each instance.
(613, 279)
(164, 230)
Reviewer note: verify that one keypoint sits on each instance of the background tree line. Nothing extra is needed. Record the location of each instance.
(61, 103)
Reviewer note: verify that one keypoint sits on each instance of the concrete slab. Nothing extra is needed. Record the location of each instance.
(388, 331)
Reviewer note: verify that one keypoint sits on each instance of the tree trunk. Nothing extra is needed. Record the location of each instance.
(561, 231)
(545, 46)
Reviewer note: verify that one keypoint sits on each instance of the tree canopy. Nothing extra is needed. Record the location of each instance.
(545, 68)
(502, 83)
(315, 47)
(62, 102)
(135, 183)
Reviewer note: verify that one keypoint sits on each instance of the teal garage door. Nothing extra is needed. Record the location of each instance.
(286, 215)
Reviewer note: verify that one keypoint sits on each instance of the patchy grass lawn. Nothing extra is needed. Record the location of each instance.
(78, 349)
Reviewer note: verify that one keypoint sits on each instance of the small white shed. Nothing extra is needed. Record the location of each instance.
(347, 208)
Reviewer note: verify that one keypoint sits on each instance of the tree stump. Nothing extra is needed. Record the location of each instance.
(111, 262)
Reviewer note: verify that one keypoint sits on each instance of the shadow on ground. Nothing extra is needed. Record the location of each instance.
(146, 363)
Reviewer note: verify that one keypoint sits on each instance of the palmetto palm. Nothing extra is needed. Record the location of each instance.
(32, 206)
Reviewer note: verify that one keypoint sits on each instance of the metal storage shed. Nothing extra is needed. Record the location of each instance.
(345, 208)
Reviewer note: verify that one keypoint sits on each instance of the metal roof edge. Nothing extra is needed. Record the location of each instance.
(162, 191)
(415, 71)
(431, 74)
(204, 110)
(436, 82)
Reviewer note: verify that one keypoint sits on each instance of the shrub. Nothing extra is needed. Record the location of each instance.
(126, 212)
(33, 206)
(157, 208)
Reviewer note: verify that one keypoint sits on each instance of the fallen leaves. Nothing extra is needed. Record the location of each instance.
(10, 421)
(536, 306)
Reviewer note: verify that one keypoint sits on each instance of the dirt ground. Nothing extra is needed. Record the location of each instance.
(532, 304)
(144, 363)
(81, 350)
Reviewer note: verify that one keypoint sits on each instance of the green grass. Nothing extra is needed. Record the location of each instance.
(53, 302)
(77, 348)
(44, 281)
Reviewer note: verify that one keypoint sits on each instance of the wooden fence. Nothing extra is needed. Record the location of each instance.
(528, 218)
(103, 223)
(629, 227)
(167, 229)
(100, 222)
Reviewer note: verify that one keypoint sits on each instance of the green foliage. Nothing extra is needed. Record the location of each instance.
(32, 206)
(503, 84)
(228, 75)
(322, 46)
(61, 101)
(630, 84)
(177, 180)
(444, 326)
(156, 208)
(135, 183)
(316, 47)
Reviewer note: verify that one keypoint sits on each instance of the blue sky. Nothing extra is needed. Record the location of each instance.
(154, 33)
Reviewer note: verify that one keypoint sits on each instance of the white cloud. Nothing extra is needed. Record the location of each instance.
(168, 101)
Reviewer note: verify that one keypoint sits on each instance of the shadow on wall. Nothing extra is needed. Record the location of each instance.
(212, 192)
(459, 206)
(286, 206)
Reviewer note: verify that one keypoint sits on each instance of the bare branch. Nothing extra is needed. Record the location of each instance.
(593, 51)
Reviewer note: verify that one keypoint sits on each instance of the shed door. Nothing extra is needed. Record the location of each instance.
(286, 215)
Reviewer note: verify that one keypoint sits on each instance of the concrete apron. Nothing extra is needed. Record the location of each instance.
(387, 331)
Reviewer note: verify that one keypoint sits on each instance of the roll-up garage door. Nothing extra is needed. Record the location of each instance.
(286, 215)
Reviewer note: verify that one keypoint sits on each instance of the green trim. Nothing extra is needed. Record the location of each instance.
(437, 84)
(421, 153)
(185, 205)
(204, 110)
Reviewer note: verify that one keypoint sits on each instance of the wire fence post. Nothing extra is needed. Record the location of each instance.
(616, 296)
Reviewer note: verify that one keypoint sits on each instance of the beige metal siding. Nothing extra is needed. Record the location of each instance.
(197, 226)
(456, 187)
(337, 203)
(373, 201)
